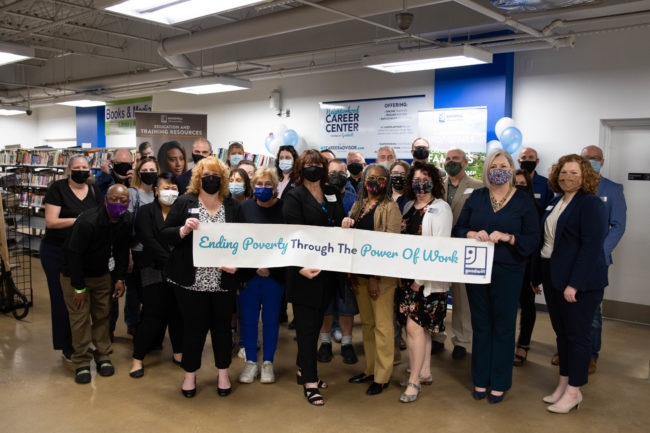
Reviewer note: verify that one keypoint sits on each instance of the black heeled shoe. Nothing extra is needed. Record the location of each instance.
(224, 392)
(299, 381)
(136, 374)
(496, 398)
(479, 395)
(313, 397)
(189, 393)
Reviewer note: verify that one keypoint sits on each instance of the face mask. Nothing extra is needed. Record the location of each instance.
(79, 176)
(523, 188)
(235, 160)
(595, 165)
(121, 168)
(116, 210)
(528, 166)
(148, 177)
(569, 182)
(211, 184)
(196, 158)
(499, 176)
(421, 153)
(263, 194)
(355, 168)
(422, 187)
(398, 182)
(453, 168)
(236, 188)
(167, 196)
(313, 174)
(338, 180)
(285, 164)
(375, 187)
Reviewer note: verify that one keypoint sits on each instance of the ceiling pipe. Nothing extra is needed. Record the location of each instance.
(594, 20)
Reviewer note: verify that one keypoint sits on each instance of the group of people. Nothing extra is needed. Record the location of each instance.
(132, 230)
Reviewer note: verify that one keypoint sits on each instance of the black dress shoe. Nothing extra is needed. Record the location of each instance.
(494, 399)
(223, 392)
(349, 357)
(137, 373)
(459, 353)
(362, 378)
(189, 393)
(325, 352)
(437, 347)
(376, 388)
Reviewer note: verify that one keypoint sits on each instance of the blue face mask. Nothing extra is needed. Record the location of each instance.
(595, 165)
(235, 160)
(285, 164)
(263, 194)
(236, 189)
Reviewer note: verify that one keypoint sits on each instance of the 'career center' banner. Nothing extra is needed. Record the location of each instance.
(343, 250)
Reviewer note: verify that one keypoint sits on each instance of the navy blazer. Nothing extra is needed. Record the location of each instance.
(578, 259)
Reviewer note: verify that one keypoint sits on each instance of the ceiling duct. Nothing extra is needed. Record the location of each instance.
(536, 5)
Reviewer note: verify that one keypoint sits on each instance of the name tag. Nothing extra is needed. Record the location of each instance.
(604, 199)
(432, 210)
(538, 195)
(193, 211)
(549, 208)
(111, 264)
(468, 190)
(330, 198)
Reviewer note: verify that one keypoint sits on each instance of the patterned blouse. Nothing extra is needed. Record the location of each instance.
(207, 279)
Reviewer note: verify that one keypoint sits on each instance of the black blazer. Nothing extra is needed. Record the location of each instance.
(300, 207)
(180, 267)
(149, 223)
(578, 259)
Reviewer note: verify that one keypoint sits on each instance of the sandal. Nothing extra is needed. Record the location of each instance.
(520, 360)
(299, 381)
(423, 381)
(313, 397)
(410, 398)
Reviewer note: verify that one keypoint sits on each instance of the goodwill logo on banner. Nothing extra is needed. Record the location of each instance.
(119, 116)
(343, 250)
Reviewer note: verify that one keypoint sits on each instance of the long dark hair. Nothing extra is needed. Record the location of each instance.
(162, 155)
(294, 155)
(438, 190)
(309, 156)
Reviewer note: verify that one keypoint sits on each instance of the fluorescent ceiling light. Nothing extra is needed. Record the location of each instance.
(206, 85)
(11, 53)
(423, 60)
(176, 11)
(83, 103)
(4, 112)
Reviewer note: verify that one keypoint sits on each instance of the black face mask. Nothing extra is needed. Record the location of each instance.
(523, 188)
(355, 168)
(421, 153)
(148, 177)
(196, 158)
(79, 176)
(338, 180)
(211, 184)
(313, 174)
(398, 182)
(528, 166)
(122, 168)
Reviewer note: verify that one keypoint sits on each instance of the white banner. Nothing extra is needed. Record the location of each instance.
(343, 250)
(365, 125)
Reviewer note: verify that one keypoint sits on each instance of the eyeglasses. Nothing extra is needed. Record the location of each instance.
(376, 179)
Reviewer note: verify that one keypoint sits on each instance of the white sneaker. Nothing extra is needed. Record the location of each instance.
(242, 353)
(268, 375)
(249, 373)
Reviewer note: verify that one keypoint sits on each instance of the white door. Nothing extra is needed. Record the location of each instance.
(629, 275)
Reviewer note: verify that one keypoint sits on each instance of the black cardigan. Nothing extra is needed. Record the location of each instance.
(149, 223)
(300, 207)
(180, 267)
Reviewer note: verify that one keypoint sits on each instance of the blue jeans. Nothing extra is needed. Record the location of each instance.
(596, 331)
(265, 293)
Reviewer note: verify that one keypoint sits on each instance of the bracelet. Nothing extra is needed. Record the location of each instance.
(79, 292)
(182, 233)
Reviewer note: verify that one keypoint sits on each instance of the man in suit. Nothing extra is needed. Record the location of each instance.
(458, 186)
(528, 161)
(201, 148)
(611, 193)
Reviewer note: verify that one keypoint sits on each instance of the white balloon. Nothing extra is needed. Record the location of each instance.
(493, 145)
(280, 130)
(502, 124)
(275, 145)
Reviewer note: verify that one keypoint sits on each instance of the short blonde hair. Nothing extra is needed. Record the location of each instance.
(490, 159)
(209, 164)
(271, 172)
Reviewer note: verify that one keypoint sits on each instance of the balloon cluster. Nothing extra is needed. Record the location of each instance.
(282, 137)
(510, 137)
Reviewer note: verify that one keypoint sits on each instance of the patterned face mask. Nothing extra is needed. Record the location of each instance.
(422, 187)
(499, 176)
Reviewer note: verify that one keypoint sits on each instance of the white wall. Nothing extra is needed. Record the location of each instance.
(46, 123)
(246, 116)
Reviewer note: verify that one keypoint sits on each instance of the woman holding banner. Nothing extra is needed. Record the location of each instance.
(422, 304)
(375, 210)
(501, 214)
(310, 289)
(205, 295)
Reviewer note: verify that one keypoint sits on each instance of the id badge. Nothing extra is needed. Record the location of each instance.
(111, 264)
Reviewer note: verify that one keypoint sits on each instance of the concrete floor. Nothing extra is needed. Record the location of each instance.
(38, 393)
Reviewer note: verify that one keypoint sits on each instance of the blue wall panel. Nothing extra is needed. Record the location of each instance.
(90, 126)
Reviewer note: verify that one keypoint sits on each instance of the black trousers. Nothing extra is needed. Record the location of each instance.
(159, 309)
(308, 321)
(528, 313)
(572, 325)
(203, 312)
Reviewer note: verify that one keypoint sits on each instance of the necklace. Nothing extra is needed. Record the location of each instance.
(498, 204)
(366, 210)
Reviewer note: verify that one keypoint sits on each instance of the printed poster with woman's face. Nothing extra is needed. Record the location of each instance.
(169, 137)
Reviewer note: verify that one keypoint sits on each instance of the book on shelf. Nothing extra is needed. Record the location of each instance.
(258, 159)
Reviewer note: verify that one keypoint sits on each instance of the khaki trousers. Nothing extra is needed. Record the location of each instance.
(461, 319)
(378, 330)
(90, 323)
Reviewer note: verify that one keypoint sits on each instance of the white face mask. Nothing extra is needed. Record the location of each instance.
(167, 196)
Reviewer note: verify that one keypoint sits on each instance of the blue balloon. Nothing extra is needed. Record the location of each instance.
(267, 142)
(511, 139)
(290, 138)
